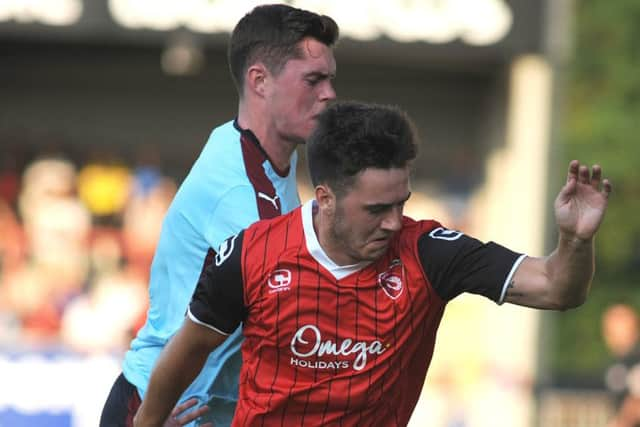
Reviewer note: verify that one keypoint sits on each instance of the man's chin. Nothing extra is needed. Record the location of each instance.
(296, 139)
(374, 254)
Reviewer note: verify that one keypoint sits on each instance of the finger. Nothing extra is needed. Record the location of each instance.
(606, 187)
(596, 176)
(193, 415)
(184, 406)
(574, 165)
(583, 174)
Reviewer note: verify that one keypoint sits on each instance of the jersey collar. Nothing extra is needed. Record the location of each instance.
(316, 251)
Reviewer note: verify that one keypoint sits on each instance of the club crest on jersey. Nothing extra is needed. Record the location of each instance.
(225, 250)
(391, 281)
(279, 280)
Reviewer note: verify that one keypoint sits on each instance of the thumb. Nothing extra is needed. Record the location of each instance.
(568, 189)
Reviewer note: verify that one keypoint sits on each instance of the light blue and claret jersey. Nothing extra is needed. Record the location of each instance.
(230, 186)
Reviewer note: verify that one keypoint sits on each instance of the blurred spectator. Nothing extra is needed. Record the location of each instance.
(147, 173)
(76, 247)
(106, 318)
(44, 180)
(104, 188)
(56, 227)
(89, 324)
(12, 244)
(621, 333)
(9, 179)
(106, 253)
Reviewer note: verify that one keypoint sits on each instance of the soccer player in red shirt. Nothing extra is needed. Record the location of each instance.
(340, 300)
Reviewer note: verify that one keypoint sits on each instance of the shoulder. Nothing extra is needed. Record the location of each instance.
(223, 140)
(224, 132)
(275, 228)
(412, 230)
(220, 165)
(268, 239)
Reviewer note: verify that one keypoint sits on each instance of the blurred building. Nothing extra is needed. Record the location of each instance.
(122, 81)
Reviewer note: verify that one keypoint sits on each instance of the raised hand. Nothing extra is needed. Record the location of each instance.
(582, 202)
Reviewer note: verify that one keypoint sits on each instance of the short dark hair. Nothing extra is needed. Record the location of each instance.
(353, 136)
(271, 33)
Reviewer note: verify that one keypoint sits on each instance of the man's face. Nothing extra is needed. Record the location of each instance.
(620, 329)
(368, 215)
(301, 91)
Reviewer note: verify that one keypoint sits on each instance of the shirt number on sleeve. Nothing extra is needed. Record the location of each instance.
(445, 234)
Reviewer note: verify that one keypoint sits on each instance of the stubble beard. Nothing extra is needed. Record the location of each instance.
(343, 238)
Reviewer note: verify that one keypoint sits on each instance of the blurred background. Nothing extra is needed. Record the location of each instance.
(105, 104)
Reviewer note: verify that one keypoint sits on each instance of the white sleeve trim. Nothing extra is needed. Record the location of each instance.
(516, 264)
(200, 322)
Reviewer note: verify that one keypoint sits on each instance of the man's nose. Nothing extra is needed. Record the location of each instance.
(327, 92)
(393, 220)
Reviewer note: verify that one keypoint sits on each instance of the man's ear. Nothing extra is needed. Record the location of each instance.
(257, 79)
(325, 198)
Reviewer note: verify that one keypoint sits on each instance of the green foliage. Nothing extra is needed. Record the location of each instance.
(602, 116)
(601, 125)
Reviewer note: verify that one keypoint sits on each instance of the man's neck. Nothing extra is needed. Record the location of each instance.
(278, 149)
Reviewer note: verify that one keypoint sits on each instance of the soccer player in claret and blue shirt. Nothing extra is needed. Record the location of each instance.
(281, 59)
(340, 299)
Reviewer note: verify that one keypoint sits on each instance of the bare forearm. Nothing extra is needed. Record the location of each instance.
(570, 270)
(178, 365)
(169, 380)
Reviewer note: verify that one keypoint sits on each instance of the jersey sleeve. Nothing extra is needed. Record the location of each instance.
(455, 263)
(235, 210)
(217, 302)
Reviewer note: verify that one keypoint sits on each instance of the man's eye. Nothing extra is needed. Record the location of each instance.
(377, 209)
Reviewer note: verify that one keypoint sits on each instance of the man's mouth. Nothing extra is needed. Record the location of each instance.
(380, 241)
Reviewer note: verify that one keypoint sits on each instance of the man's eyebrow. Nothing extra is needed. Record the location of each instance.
(379, 205)
(405, 199)
(319, 74)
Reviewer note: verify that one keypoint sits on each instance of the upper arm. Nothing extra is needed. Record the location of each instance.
(197, 338)
(455, 263)
(218, 301)
(192, 343)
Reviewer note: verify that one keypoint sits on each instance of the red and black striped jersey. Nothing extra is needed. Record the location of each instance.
(339, 345)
